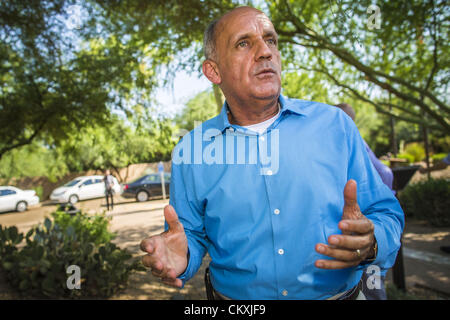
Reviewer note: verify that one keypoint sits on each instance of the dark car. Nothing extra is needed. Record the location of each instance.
(146, 187)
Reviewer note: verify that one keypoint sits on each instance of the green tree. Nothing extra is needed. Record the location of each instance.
(43, 91)
(56, 79)
(400, 68)
(35, 159)
(198, 109)
(118, 145)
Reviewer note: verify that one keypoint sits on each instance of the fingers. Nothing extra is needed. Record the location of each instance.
(168, 276)
(151, 261)
(172, 219)
(343, 248)
(335, 264)
(360, 226)
(351, 209)
(173, 282)
(147, 245)
(350, 242)
(342, 254)
(350, 196)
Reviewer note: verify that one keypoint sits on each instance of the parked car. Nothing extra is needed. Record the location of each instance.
(15, 199)
(146, 187)
(82, 188)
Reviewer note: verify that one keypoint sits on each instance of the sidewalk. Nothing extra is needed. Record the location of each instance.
(427, 268)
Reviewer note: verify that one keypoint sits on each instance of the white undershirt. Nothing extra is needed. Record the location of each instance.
(262, 126)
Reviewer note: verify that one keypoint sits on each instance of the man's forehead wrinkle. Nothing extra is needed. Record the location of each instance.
(254, 26)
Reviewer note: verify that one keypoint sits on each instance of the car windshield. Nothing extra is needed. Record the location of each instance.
(138, 179)
(72, 183)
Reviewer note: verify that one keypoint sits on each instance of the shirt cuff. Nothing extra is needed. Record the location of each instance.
(192, 266)
(384, 250)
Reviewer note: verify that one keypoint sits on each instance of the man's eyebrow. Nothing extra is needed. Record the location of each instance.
(240, 37)
(249, 35)
(270, 34)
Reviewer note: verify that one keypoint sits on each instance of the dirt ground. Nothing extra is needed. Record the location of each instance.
(427, 269)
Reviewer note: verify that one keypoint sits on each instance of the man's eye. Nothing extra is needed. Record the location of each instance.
(242, 44)
(272, 41)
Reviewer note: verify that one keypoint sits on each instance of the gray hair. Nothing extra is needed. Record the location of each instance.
(209, 40)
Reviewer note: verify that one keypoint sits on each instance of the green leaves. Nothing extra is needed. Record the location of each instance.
(397, 69)
(200, 108)
(39, 269)
(428, 200)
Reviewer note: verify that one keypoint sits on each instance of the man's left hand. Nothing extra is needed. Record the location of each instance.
(356, 243)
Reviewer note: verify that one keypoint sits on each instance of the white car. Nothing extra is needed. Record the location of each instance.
(15, 199)
(82, 188)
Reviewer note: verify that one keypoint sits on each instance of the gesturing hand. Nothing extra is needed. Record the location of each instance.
(167, 252)
(357, 240)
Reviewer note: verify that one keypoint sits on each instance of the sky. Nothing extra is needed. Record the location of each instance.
(185, 87)
(170, 100)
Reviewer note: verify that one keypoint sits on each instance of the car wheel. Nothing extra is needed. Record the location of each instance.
(73, 199)
(21, 206)
(142, 196)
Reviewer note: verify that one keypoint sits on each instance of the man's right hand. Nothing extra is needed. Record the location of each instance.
(167, 252)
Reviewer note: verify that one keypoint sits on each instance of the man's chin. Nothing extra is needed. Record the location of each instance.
(267, 95)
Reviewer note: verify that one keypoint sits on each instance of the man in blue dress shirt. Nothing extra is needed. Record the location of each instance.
(280, 192)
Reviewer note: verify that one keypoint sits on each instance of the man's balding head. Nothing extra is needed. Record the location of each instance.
(213, 30)
(243, 58)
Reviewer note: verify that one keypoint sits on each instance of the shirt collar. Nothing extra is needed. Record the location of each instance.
(287, 105)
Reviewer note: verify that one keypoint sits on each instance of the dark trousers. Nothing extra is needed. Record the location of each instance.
(108, 195)
(373, 293)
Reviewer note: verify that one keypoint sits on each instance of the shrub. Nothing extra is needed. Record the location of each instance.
(406, 156)
(91, 228)
(416, 151)
(428, 200)
(438, 156)
(39, 192)
(39, 268)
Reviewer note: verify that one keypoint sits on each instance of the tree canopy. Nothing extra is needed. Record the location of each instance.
(400, 67)
(65, 74)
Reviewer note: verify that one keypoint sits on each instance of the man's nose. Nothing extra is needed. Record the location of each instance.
(263, 51)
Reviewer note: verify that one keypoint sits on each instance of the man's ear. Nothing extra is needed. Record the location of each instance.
(211, 71)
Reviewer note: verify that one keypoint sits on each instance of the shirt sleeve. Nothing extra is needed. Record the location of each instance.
(447, 159)
(191, 214)
(375, 200)
(384, 171)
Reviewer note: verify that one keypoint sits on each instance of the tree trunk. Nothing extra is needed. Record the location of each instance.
(394, 147)
(427, 151)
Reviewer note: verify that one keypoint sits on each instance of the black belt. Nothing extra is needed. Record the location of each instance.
(212, 294)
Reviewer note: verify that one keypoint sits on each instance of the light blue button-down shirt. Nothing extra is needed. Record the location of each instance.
(260, 203)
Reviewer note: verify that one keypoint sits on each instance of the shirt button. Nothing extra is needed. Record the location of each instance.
(284, 293)
(276, 211)
(280, 251)
(269, 172)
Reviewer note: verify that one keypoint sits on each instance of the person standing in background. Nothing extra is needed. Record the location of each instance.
(109, 191)
(387, 177)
